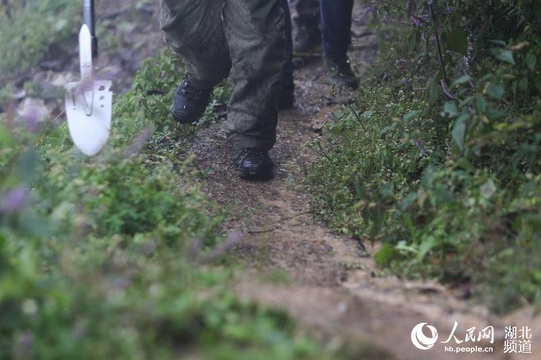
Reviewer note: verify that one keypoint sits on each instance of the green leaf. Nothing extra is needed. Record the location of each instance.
(495, 91)
(505, 56)
(426, 179)
(531, 61)
(432, 91)
(488, 189)
(459, 131)
(410, 115)
(385, 255)
(29, 165)
(523, 84)
(387, 190)
(408, 200)
(494, 113)
(428, 244)
(467, 101)
(450, 109)
(403, 247)
(457, 39)
(461, 80)
(463, 163)
(412, 40)
(387, 129)
(5, 137)
(480, 104)
(498, 42)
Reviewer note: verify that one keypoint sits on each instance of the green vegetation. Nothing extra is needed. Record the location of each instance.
(114, 256)
(438, 157)
(29, 28)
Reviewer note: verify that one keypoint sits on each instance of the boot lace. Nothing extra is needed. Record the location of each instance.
(191, 92)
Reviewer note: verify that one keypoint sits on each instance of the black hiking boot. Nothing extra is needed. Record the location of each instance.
(254, 164)
(307, 39)
(189, 102)
(341, 73)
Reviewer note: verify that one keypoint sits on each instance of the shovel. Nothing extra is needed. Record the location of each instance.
(88, 102)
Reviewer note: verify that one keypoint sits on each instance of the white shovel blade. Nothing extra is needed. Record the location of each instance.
(88, 109)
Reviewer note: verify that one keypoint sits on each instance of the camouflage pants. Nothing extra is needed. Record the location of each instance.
(243, 39)
(304, 9)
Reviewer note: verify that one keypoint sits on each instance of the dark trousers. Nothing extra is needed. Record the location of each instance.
(243, 39)
(336, 26)
(288, 66)
(335, 20)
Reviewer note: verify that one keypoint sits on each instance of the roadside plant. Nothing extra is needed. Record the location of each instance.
(438, 159)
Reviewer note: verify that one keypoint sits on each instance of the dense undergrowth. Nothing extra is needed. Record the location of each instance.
(438, 157)
(29, 28)
(113, 257)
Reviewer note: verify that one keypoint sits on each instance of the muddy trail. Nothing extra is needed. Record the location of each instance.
(335, 288)
(329, 284)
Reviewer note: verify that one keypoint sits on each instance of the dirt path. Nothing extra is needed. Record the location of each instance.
(335, 289)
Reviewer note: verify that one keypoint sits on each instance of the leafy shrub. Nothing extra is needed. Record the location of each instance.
(439, 158)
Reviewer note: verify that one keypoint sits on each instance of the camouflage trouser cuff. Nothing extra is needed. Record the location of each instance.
(241, 142)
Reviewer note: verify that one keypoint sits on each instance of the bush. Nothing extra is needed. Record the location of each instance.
(439, 158)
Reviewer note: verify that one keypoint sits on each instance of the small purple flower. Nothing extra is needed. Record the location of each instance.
(23, 345)
(14, 200)
(32, 120)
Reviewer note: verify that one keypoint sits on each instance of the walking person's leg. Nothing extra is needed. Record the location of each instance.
(194, 30)
(336, 20)
(306, 30)
(287, 96)
(336, 24)
(300, 8)
(255, 34)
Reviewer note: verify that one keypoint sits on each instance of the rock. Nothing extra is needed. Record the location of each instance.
(32, 112)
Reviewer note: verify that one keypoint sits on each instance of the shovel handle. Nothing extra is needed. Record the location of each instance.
(88, 17)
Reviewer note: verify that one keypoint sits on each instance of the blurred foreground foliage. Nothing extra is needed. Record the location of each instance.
(29, 28)
(101, 258)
